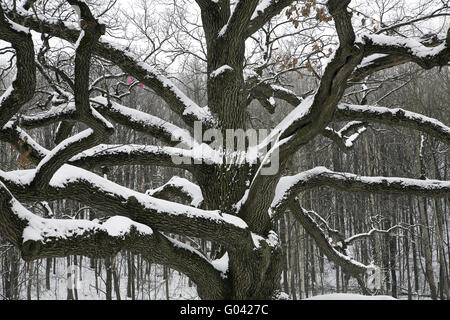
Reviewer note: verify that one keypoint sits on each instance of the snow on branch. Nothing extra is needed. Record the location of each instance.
(33, 228)
(424, 55)
(179, 187)
(347, 263)
(187, 109)
(74, 183)
(60, 155)
(382, 52)
(373, 231)
(132, 154)
(66, 111)
(289, 186)
(23, 86)
(343, 138)
(266, 10)
(143, 122)
(394, 116)
(39, 237)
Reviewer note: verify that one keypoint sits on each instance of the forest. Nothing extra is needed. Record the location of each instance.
(118, 182)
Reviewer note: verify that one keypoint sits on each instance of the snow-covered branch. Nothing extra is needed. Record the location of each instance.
(394, 116)
(187, 109)
(266, 10)
(382, 52)
(179, 187)
(373, 231)
(24, 84)
(131, 154)
(349, 265)
(39, 237)
(289, 186)
(343, 138)
(143, 122)
(70, 182)
(425, 56)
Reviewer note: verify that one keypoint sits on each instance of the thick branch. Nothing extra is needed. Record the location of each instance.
(179, 187)
(424, 55)
(22, 89)
(395, 116)
(349, 266)
(38, 238)
(290, 186)
(129, 154)
(264, 13)
(143, 122)
(77, 184)
(152, 78)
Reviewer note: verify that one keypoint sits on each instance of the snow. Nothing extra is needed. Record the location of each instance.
(101, 118)
(52, 112)
(349, 141)
(223, 30)
(221, 70)
(413, 45)
(200, 153)
(271, 240)
(380, 111)
(77, 43)
(148, 120)
(6, 94)
(279, 88)
(63, 145)
(118, 226)
(76, 8)
(16, 27)
(349, 296)
(368, 60)
(68, 174)
(261, 7)
(301, 111)
(286, 183)
(186, 186)
(221, 264)
(41, 229)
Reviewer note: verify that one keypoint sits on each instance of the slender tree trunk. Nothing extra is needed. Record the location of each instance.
(109, 280)
(116, 278)
(30, 279)
(70, 295)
